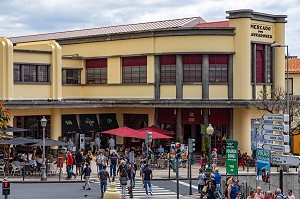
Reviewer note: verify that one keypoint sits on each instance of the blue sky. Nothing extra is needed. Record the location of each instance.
(24, 17)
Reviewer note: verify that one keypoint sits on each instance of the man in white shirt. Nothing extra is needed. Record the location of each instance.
(97, 143)
(111, 143)
(290, 194)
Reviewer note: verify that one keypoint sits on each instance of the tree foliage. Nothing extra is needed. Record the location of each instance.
(275, 100)
(4, 116)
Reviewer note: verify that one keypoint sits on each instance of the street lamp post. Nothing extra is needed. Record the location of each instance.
(209, 131)
(43, 167)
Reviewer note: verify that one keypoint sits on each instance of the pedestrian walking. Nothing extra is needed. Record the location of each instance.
(121, 166)
(211, 190)
(103, 176)
(268, 195)
(70, 162)
(146, 179)
(279, 195)
(89, 158)
(123, 182)
(259, 194)
(97, 143)
(131, 175)
(201, 182)
(100, 161)
(238, 195)
(112, 143)
(290, 194)
(113, 163)
(214, 156)
(233, 189)
(218, 177)
(70, 144)
(86, 174)
(79, 161)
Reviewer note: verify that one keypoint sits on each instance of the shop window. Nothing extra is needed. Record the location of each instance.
(168, 69)
(192, 68)
(31, 73)
(263, 58)
(96, 71)
(33, 123)
(71, 76)
(218, 68)
(134, 69)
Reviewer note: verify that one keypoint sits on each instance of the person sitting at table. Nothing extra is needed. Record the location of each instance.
(160, 149)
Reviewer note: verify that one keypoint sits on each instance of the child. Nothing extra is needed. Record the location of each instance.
(201, 162)
(86, 174)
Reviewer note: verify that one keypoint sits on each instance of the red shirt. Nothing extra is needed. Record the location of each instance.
(70, 160)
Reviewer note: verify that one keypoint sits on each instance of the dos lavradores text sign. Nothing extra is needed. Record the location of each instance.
(260, 30)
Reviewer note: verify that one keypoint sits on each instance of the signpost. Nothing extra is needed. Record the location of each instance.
(276, 138)
(278, 148)
(231, 157)
(276, 117)
(285, 160)
(276, 127)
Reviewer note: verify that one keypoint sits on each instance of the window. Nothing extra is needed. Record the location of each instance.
(168, 69)
(192, 71)
(96, 71)
(134, 69)
(218, 68)
(71, 76)
(263, 75)
(31, 73)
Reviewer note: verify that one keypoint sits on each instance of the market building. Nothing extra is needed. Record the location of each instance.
(179, 74)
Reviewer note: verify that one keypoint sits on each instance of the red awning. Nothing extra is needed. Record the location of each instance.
(219, 116)
(156, 129)
(155, 135)
(165, 116)
(191, 116)
(124, 132)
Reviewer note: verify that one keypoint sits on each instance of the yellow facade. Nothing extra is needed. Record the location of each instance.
(235, 41)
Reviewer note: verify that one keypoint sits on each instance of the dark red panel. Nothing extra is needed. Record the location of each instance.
(134, 61)
(219, 116)
(165, 116)
(96, 63)
(192, 59)
(191, 116)
(218, 59)
(168, 60)
(259, 66)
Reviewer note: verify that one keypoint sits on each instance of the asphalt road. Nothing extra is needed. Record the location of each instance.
(165, 188)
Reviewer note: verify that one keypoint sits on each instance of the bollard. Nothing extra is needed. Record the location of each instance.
(112, 192)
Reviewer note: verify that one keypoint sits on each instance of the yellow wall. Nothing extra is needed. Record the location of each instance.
(218, 91)
(72, 91)
(32, 91)
(39, 58)
(72, 63)
(150, 69)
(280, 55)
(114, 70)
(192, 91)
(242, 127)
(167, 91)
(296, 83)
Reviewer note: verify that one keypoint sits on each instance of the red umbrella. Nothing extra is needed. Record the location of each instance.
(124, 132)
(156, 129)
(155, 135)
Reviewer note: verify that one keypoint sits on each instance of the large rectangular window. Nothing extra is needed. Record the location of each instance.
(192, 68)
(218, 68)
(31, 73)
(71, 76)
(168, 69)
(134, 69)
(96, 71)
(262, 61)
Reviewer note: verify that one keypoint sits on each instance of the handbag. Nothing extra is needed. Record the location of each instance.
(204, 188)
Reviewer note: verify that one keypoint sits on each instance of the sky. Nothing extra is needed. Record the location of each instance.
(26, 17)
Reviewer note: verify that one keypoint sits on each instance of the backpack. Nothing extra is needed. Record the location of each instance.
(123, 180)
(280, 195)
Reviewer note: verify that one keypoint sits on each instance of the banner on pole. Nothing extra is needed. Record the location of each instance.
(231, 157)
(263, 165)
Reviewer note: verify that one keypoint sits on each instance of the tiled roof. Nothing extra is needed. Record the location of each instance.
(215, 24)
(139, 27)
(294, 65)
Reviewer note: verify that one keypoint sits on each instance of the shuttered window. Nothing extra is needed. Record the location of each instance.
(134, 69)
(96, 71)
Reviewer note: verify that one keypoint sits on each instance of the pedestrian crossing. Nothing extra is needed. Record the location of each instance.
(139, 191)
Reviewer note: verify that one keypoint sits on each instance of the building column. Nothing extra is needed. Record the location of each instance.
(179, 78)
(205, 78)
(56, 125)
(119, 116)
(6, 69)
(179, 124)
(157, 77)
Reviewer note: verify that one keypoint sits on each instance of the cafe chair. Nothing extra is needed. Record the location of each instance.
(53, 169)
(14, 169)
(2, 168)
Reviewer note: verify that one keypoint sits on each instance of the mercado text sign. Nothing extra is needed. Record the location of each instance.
(261, 30)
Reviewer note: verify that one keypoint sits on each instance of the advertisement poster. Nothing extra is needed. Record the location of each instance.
(231, 157)
(263, 165)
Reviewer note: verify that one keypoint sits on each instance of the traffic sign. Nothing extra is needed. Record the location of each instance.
(276, 117)
(285, 160)
(276, 138)
(276, 127)
(278, 148)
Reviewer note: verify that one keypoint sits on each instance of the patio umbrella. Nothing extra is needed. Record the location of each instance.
(50, 142)
(156, 129)
(19, 141)
(13, 129)
(155, 135)
(124, 132)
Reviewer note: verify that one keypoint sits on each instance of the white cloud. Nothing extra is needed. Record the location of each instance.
(23, 17)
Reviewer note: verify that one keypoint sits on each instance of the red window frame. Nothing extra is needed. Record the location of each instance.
(218, 68)
(134, 69)
(168, 69)
(192, 68)
(96, 71)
